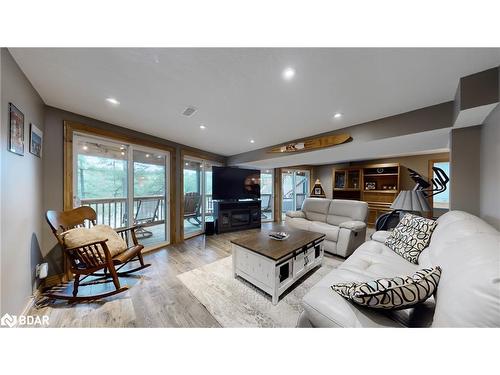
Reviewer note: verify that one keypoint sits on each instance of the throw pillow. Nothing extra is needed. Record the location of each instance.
(82, 236)
(411, 236)
(392, 293)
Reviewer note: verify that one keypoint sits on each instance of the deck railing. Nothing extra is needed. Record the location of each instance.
(113, 211)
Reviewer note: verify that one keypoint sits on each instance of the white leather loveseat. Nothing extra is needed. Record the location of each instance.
(468, 294)
(342, 221)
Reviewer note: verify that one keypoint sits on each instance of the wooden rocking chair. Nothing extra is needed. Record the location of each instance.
(87, 260)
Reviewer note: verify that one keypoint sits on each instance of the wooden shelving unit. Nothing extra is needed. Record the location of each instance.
(376, 184)
(385, 180)
(347, 183)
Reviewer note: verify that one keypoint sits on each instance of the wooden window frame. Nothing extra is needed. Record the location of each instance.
(430, 172)
(71, 127)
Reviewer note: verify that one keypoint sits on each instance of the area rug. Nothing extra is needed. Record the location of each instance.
(236, 303)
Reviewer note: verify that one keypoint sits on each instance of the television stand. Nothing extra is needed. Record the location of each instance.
(232, 216)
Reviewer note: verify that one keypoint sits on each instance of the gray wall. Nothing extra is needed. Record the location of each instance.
(21, 192)
(53, 170)
(490, 169)
(434, 117)
(465, 169)
(419, 163)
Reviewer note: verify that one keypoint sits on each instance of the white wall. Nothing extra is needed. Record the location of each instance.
(21, 192)
(490, 169)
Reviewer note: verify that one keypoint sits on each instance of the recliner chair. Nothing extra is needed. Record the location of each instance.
(342, 221)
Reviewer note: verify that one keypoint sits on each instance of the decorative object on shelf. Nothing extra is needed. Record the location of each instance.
(380, 170)
(313, 143)
(36, 140)
(279, 236)
(438, 184)
(370, 186)
(317, 191)
(16, 132)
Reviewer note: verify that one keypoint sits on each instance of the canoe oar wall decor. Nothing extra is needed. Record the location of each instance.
(312, 144)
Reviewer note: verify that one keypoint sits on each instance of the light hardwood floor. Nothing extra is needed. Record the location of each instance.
(156, 297)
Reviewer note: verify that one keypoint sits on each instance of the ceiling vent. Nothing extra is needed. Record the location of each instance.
(189, 111)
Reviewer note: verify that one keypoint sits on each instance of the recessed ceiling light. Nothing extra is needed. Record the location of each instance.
(288, 73)
(123, 153)
(147, 155)
(203, 127)
(187, 164)
(85, 148)
(112, 101)
(252, 141)
(337, 115)
(158, 157)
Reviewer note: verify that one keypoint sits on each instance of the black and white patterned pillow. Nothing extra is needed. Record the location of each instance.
(394, 293)
(411, 236)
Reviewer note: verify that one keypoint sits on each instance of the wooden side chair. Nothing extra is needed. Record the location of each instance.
(85, 261)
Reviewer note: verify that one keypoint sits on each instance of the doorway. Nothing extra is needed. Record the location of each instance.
(197, 195)
(125, 184)
(295, 188)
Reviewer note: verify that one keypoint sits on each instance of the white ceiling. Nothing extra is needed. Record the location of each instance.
(240, 94)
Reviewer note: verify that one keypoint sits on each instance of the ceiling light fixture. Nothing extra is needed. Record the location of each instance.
(203, 127)
(147, 155)
(85, 148)
(288, 74)
(112, 101)
(337, 115)
(252, 141)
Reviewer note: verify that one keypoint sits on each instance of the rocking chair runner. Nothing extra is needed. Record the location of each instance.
(86, 260)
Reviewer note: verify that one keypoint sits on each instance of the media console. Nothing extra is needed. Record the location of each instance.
(231, 216)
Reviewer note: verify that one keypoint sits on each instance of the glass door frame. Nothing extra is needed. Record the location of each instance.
(293, 172)
(130, 148)
(272, 172)
(204, 164)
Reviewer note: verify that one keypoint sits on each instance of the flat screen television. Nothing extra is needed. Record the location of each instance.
(235, 183)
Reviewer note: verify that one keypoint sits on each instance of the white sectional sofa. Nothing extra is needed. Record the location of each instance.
(342, 221)
(468, 295)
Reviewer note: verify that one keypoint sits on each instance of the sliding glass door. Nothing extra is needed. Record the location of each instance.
(295, 188)
(198, 207)
(267, 194)
(125, 184)
(150, 189)
(193, 196)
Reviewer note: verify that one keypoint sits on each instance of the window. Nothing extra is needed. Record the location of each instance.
(440, 201)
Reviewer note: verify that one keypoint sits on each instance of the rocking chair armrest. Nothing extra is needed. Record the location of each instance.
(132, 227)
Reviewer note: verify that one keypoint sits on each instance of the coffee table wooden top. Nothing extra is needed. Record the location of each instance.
(262, 244)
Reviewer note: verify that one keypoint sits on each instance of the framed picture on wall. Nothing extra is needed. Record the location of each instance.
(36, 138)
(16, 132)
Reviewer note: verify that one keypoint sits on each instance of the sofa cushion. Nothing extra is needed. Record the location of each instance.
(376, 260)
(342, 210)
(381, 235)
(298, 214)
(411, 236)
(298, 223)
(316, 209)
(327, 309)
(331, 231)
(392, 293)
(469, 289)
